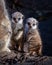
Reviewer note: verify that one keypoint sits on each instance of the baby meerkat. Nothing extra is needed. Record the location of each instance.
(5, 28)
(17, 28)
(33, 44)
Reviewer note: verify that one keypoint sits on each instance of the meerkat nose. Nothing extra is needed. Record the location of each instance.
(30, 26)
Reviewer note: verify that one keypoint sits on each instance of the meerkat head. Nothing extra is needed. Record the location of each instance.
(17, 20)
(31, 23)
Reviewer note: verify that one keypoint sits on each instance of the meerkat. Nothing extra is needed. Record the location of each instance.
(17, 28)
(5, 28)
(33, 43)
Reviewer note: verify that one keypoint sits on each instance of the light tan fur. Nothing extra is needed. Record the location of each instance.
(5, 28)
(33, 44)
(17, 28)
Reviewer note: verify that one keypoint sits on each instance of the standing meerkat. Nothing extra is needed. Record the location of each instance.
(33, 44)
(17, 28)
(5, 28)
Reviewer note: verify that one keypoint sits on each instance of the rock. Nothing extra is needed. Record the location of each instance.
(18, 59)
(7, 58)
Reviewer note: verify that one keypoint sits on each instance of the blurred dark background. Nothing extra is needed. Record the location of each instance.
(42, 11)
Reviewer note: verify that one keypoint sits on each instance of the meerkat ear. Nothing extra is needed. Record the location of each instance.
(36, 22)
(23, 17)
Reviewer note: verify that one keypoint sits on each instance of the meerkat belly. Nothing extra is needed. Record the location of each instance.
(34, 42)
(17, 40)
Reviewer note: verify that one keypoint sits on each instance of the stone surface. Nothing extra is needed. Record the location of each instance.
(15, 59)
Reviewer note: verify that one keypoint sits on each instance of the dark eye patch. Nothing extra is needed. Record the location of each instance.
(28, 23)
(34, 24)
(19, 18)
(15, 20)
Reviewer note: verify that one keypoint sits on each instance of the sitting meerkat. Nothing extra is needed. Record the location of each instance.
(17, 28)
(5, 28)
(33, 43)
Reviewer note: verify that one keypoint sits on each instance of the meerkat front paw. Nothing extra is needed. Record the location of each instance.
(8, 50)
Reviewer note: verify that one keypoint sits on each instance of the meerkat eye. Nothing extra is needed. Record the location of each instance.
(28, 23)
(14, 19)
(19, 18)
(33, 24)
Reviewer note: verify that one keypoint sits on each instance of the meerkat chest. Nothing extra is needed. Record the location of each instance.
(33, 39)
